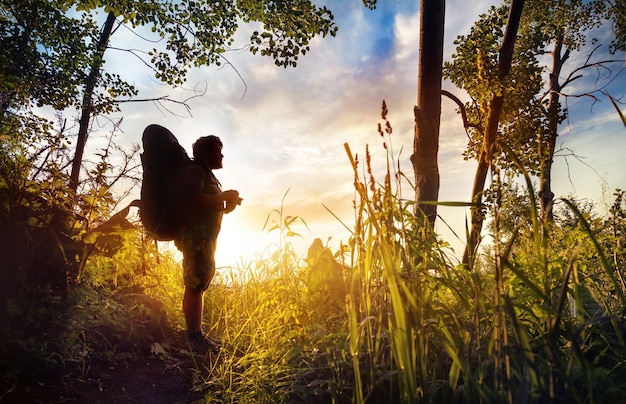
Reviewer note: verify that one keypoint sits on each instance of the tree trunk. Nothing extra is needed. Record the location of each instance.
(490, 137)
(87, 105)
(545, 193)
(428, 109)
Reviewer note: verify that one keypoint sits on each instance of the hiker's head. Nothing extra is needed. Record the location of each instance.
(208, 149)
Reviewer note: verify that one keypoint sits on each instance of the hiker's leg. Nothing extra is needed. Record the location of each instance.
(198, 271)
(192, 307)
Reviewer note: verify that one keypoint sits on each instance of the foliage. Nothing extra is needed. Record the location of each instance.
(617, 14)
(502, 332)
(551, 33)
(64, 66)
(33, 200)
(42, 51)
(276, 345)
(287, 31)
(281, 253)
(75, 288)
(52, 44)
(48, 245)
(474, 69)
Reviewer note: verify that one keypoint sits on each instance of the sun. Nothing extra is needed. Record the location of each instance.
(239, 241)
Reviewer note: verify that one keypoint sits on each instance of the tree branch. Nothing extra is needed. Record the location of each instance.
(466, 123)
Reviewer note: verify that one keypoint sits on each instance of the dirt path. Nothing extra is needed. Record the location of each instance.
(148, 380)
(167, 378)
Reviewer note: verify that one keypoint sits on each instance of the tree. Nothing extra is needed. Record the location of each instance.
(566, 26)
(42, 56)
(428, 110)
(38, 54)
(487, 84)
(532, 108)
(192, 34)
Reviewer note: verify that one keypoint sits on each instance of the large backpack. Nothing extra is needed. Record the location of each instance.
(163, 161)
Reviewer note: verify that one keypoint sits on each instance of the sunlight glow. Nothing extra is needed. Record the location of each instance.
(239, 242)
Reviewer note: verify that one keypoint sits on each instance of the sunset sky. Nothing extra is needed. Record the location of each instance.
(283, 129)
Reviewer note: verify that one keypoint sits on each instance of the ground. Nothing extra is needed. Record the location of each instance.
(149, 378)
(161, 373)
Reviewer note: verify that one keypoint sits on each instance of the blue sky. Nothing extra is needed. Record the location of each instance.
(283, 129)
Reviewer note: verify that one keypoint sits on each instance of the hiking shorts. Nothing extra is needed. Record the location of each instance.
(198, 250)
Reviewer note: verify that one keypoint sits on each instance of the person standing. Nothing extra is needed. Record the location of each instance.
(205, 204)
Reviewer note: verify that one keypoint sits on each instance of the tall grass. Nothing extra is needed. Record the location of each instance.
(404, 320)
(392, 316)
(281, 328)
(425, 330)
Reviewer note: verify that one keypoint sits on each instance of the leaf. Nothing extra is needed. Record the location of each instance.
(157, 349)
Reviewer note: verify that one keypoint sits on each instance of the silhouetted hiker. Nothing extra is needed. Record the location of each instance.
(203, 210)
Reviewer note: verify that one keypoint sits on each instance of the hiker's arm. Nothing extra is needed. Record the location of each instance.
(231, 205)
(200, 201)
(215, 201)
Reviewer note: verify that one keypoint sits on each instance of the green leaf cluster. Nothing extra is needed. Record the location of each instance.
(43, 53)
(288, 28)
(474, 68)
(527, 123)
(617, 13)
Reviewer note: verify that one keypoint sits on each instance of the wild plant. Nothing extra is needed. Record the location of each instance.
(396, 263)
(422, 329)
